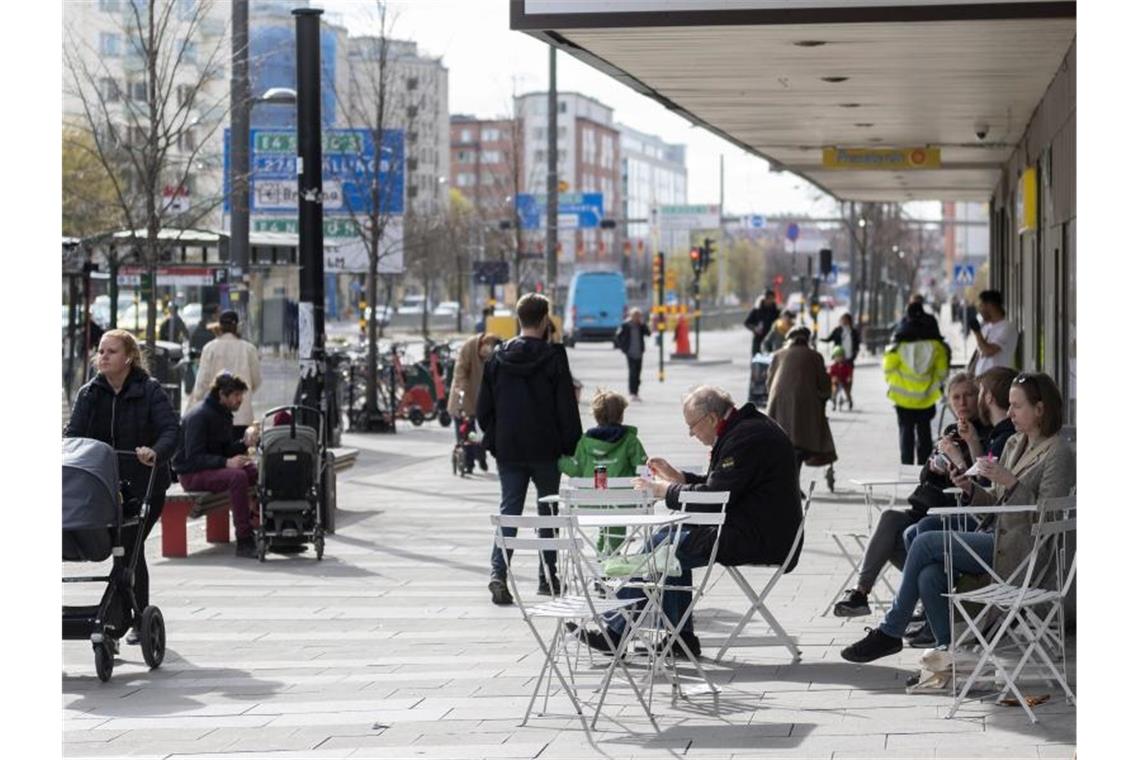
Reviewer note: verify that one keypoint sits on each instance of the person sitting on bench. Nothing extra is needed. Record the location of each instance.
(212, 457)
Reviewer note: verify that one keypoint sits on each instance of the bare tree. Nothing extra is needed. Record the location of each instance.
(150, 134)
(373, 103)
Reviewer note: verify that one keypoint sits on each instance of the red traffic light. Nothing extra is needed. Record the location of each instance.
(695, 254)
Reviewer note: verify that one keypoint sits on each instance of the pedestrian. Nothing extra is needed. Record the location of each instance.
(529, 417)
(212, 454)
(761, 318)
(481, 325)
(997, 338)
(239, 357)
(774, 339)
(126, 408)
(847, 337)
(612, 445)
(798, 390)
(914, 365)
(631, 339)
(173, 328)
(753, 460)
(465, 383)
(916, 324)
(203, 333)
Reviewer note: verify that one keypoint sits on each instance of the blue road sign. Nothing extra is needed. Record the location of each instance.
(793, 231)
(348, 163)
(964, 274)
(587, 207)
(833, 275)
(755, 221)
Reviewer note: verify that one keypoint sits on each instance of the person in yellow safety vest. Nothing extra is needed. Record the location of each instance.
(914, 366)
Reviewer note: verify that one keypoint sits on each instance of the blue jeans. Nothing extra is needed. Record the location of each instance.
(934, 522)
(514, 477)
(673, 602)
(924, 576)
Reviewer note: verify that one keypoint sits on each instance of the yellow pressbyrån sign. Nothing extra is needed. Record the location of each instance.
(1027, 200)
(892, 159)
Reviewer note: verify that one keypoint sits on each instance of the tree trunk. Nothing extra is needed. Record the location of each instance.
(372, 408)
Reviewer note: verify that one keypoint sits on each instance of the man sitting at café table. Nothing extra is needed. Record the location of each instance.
(754, 461)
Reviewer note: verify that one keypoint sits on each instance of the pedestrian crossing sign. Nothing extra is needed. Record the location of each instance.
(963, 274)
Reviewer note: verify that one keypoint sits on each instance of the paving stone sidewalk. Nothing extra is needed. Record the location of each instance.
(390, 648)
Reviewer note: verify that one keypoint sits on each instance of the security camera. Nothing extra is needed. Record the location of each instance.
(981, 129)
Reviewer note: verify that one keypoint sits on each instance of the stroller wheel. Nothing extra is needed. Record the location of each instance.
(104, 660)
(416, 416)
(319, 546)
(444, 418)
(830, 475)
(152, 636)
(262, 548)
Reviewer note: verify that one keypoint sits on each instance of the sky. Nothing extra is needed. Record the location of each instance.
(486, 62)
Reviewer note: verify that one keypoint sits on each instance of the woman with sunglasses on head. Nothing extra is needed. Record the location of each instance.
(1035, 464)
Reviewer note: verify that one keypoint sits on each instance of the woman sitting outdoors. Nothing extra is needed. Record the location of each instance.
(1036, 464)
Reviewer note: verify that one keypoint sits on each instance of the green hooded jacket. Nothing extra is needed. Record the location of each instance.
(616, 447)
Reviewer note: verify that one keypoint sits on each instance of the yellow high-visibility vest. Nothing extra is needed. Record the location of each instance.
(914, 372)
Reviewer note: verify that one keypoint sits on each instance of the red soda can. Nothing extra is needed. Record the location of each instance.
(600, 476)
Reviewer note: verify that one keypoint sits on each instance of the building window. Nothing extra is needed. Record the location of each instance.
(190, 52)
(492, 156)
(412, 112)
(186, 9)
(413, 138)
(490, 134)
(109, 45)
(540, 156)
(138, 91)
(562, 106)
(487, 179)
(185, 96)
(108, 5)
(465, 136)
(539, 133)
(413, 164)
(110, 89)
(413, 83)
(413, 191)
(186, 141)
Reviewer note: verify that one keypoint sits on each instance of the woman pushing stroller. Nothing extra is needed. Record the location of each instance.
(124, 407)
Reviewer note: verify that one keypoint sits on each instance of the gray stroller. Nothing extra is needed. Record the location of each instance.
(289, 485)
(94, 515)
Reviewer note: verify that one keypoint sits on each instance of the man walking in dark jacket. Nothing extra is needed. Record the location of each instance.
(753, 459)
(529, 418)
(760, 320)
(631, 341)
(212, 457)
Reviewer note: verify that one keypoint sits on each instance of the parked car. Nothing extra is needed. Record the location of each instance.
(412, 304)
(383, 314)
(446, 309)
(595, 306)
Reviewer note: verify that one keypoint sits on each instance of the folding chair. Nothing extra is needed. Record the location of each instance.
(756, 601)
(580, 609)
(1046, 577)
(853, 543)
(714, 519)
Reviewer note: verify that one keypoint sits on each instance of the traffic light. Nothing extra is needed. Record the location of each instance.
(824, 262)
(695, 260)
(706, 254)
(658, 268)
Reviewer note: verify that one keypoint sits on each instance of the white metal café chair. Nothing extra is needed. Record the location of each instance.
(1031, 602)
(580, 609)
(756, 600)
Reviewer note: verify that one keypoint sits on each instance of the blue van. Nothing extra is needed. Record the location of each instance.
(595, 306)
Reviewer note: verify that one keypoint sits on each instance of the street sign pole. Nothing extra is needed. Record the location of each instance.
(661, 316)
(552, 181)
(239, 165)
(310, 245)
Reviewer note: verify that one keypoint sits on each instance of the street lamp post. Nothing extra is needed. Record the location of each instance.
(310, 244)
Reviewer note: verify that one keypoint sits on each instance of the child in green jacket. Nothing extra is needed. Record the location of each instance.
(611, 444)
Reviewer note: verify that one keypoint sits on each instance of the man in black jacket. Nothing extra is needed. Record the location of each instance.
(754, 460)
(529, 418)
(631, 341)
(212, 457)
(760, 320)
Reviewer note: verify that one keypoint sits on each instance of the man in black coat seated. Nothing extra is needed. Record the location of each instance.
(529, 418)
(754, 460)
(212, 457)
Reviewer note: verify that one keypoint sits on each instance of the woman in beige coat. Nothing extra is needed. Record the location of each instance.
(1035, 464)
(798, 391)
(239, 357)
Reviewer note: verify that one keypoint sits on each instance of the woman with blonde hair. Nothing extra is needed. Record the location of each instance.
(126, 408)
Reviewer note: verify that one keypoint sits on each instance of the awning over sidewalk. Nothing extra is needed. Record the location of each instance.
(949, 87)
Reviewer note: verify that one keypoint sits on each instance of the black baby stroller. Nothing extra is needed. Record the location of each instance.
(94, 515)
(289, 483)
(758, 381)
(468, 448)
